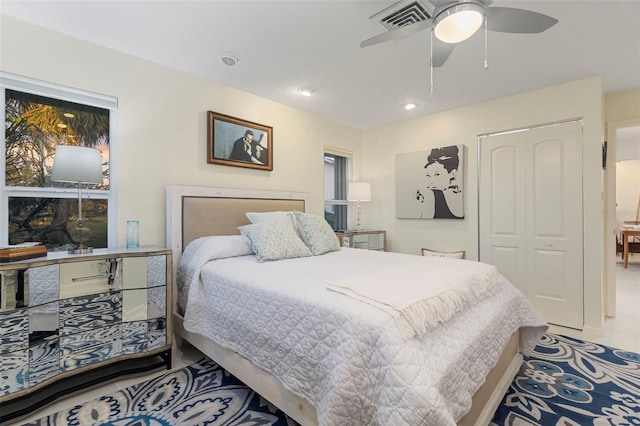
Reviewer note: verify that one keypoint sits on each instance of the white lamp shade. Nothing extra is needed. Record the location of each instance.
(359, 191)
(458, 23)
(77, 164)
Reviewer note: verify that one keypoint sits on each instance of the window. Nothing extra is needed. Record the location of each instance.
(38, 117)
(336, 177)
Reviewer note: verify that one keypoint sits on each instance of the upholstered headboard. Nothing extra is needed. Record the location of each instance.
(197, 211)
(202, 216)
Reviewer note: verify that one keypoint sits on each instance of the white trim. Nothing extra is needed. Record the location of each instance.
(112, 211)
(26, 84)
(4, 199)
(96, 194)
(341, 152)
(527, 128)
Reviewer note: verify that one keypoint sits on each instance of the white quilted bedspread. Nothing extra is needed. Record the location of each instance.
(348, 358)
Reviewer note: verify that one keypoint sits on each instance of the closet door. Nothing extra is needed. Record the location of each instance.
(503, 233)
(537, 218)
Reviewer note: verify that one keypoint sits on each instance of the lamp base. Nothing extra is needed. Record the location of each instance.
(79, 235)
(358, 215)
(80, 250)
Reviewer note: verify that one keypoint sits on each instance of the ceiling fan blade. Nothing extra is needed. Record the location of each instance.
(511, 20)
(397, 34)
(441, 52)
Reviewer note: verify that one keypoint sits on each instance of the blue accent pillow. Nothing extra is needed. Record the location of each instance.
(275, 240)
(316, 233)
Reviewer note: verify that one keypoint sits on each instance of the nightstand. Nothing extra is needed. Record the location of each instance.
(69, 321)
(364, 239)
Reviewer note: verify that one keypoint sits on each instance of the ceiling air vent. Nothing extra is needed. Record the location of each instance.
(403, 13)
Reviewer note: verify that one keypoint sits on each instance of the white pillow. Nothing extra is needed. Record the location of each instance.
(259, 217)
(218, 247)
(316, 233)
(275, 240)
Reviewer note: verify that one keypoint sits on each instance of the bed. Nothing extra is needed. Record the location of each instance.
(380, 379)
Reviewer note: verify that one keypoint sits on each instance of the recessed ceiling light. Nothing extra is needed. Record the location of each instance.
(229, 59)
(68, 115)
(62, 125)
(306, 90)
(409, 105)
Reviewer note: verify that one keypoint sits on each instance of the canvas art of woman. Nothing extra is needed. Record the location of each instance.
(429, 184)
(442, 198)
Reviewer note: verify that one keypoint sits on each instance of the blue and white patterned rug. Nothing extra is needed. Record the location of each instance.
(568, 382)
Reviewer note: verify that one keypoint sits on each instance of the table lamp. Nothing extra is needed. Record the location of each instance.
(358, 192)
(79, 165)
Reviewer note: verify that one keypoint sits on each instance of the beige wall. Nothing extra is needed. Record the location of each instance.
(579, 99)
(627, 173)
(162, 128)
(622, 105)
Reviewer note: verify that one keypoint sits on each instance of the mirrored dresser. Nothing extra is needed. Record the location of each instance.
(71, 321)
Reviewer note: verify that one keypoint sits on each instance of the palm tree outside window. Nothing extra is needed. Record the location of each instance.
(34, 207)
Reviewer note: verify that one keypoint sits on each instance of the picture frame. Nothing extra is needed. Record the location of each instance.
(232, 141)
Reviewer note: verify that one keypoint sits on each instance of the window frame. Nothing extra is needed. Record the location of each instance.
(348, 155)
(37, 87)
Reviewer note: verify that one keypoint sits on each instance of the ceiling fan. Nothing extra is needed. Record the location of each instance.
(453, 21)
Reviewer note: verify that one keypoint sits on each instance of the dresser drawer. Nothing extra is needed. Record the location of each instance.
(83, 278)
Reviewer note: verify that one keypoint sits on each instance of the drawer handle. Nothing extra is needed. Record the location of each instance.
(110, 265)
(91, 277)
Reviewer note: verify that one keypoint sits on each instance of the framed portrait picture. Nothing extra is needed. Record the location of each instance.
(235, 142)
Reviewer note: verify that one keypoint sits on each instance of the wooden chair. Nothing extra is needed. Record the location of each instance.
(634, 243)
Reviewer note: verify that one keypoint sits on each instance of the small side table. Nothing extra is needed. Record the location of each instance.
(369, 239)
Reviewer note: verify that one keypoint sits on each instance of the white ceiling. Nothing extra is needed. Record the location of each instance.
(286, 44)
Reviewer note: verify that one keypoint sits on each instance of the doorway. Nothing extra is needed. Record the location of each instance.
(623, 159)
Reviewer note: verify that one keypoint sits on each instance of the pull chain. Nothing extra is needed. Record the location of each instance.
(486, 56)
(431, 64)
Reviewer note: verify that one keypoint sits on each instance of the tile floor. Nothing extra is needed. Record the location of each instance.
(621, 332)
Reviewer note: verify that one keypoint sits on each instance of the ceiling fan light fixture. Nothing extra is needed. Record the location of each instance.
(458, 22)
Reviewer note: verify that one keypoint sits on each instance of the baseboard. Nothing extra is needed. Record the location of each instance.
(586, 332)
(596, 331)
